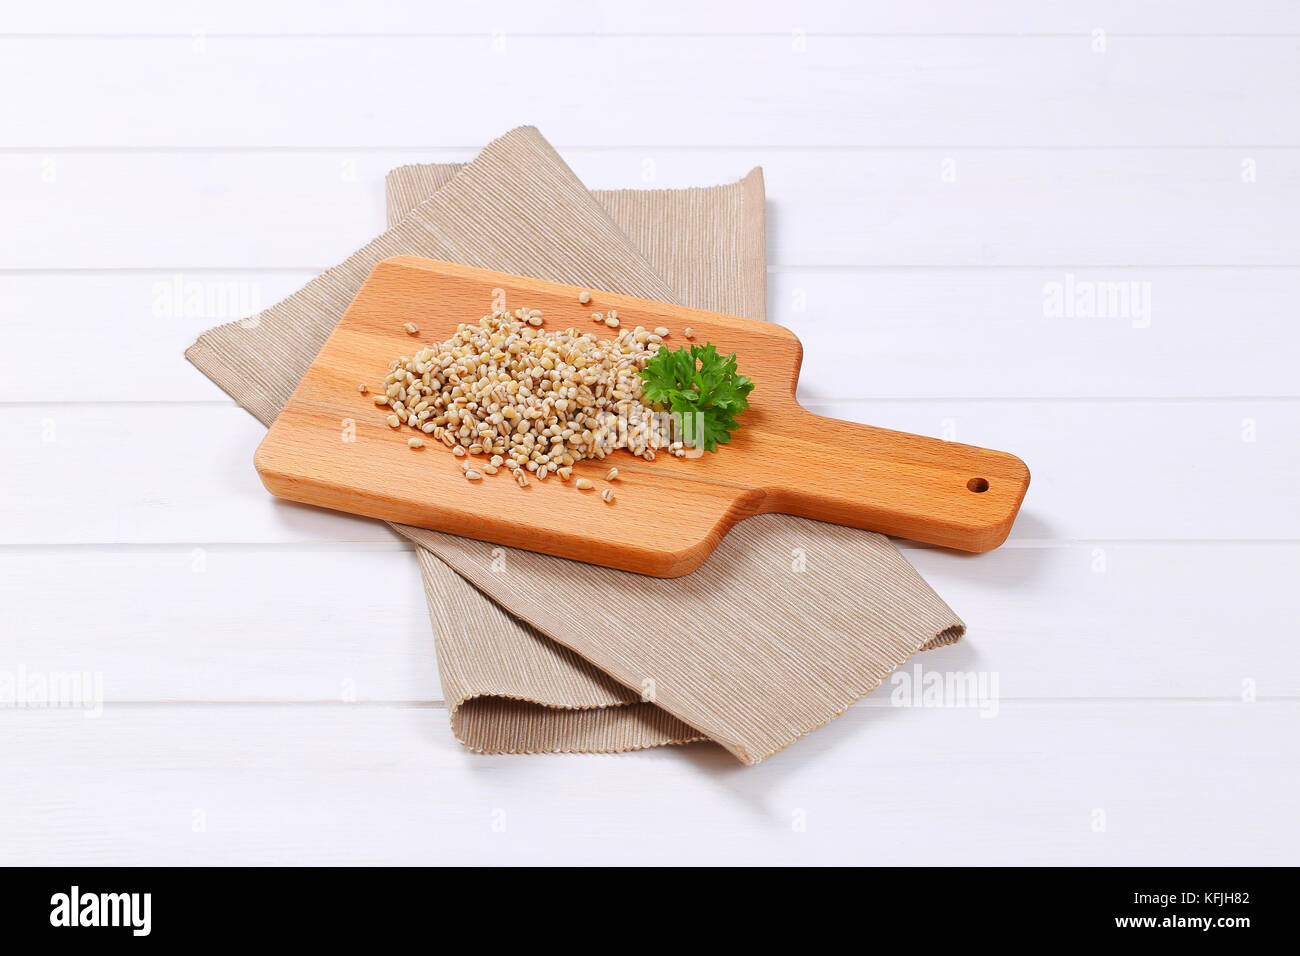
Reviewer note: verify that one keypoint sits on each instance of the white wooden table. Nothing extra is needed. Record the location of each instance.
(269, 686)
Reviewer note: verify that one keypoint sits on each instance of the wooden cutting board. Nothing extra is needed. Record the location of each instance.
(332, 447)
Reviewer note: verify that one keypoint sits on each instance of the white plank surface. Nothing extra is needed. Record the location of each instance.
(223, 623)
(596, 17)
(632, 90)
(933, 168)
(1172, 783)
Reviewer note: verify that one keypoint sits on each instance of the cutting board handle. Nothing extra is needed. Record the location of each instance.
(911, 486)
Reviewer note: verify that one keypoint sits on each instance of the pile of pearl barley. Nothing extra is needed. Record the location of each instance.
(535, 401)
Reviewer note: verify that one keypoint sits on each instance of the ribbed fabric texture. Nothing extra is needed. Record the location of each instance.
(787, 623)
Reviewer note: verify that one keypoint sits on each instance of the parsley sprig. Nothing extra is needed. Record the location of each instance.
(702, 386)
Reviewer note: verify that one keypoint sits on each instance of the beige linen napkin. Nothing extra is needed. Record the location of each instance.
(787, 623)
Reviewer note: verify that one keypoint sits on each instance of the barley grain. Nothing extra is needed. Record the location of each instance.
(688, 332)
(611, 474)
(584, 297)
(531, 399)
(607, 496)
(584, 484)
(393, 421)
(473, 475)
(662, 332)
(415, 442)
(411, 328)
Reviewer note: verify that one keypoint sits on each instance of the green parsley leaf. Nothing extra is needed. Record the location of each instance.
(705, 388)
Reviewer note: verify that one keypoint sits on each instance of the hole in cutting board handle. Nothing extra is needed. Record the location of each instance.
(978, 485)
